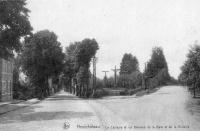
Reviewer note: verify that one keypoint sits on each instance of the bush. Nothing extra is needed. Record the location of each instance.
(132, 80)
(125, 92)
(23, 91)
(131, 92)
(99, 93)
(162, 78)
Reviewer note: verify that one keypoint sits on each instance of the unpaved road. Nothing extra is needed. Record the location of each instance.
(169, 108)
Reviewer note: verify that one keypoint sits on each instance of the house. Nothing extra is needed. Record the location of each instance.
(6, 79)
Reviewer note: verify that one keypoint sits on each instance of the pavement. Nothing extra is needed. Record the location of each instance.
(9, 106)
(170, 108)
(10, 102)
(52, 114)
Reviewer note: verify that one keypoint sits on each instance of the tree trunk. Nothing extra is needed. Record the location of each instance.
(70, 86)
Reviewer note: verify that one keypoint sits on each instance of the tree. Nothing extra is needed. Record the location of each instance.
(69, 69)
(128, 64)
(42, 58)
(86, 51)
(136, 79)
(190, 74)
(78, 58)
(133, 80)
(184, 76)
(14, 24)
(110, 82)
(156, 63)
(16, 82)
(156, 73)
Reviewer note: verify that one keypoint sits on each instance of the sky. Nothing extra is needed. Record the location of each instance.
(122, 26)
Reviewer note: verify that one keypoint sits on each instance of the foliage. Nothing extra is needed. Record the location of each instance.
(21, 89)
(132, 80)
(16, 82)
(99, 83)
(110, 82)
(77, 63)
(125, 92)
(156, 72)
(129, 64)
(42, 58)
(190, 71)
(161, 78)
(69, 70)
(156, 63)
(124, 81)
(14, 24)
(136, 79)
(99, 93)
(129, 72)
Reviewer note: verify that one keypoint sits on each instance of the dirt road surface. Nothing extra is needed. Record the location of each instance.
(169, 108)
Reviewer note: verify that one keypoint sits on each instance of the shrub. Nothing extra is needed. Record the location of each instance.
(23, 91)
(132, 80)
(125, 92)
(99, 93)
(161, 78)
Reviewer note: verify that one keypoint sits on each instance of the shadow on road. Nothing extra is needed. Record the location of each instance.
(63, 97)
(193, 106)
(29, 114)
(146, 92)
(136, 95)
(38, 113)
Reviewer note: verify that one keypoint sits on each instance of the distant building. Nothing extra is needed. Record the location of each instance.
(6, 80)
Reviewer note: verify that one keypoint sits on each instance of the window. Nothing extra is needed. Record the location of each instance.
(6, 86)
(8, 67)
(11, 68)
(10, 88)
(5, 67)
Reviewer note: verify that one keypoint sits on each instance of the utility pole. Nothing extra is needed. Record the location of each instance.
(105, 73)
(115, 75)
(105, 80)
(94, 73)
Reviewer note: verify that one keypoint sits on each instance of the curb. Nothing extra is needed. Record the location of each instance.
(20, 101)
(16, 102)
(2, 113)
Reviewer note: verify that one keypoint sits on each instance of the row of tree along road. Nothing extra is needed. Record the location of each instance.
(132, 79)
(47, 68)
(190, 71)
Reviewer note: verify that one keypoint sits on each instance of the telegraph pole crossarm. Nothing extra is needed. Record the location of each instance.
(105, 73)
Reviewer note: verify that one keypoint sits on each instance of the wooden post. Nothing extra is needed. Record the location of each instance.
(105, 80)
(115, 76)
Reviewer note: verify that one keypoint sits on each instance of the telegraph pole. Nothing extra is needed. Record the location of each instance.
(115, 75)
(105, 73)
(94, 73)
(105, 77)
